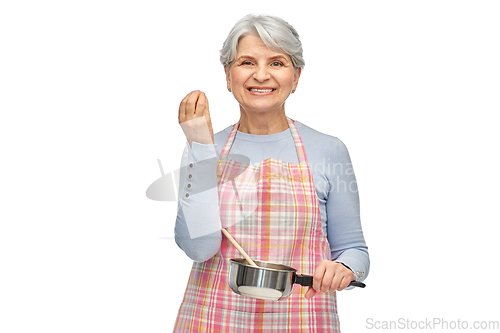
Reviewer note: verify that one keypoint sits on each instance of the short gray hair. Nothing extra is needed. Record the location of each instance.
(276, 33)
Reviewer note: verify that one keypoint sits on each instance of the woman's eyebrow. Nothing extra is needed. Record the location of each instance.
(278, 57)
(244, 56)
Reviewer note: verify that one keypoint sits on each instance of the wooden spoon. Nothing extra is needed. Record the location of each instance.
(238, 247)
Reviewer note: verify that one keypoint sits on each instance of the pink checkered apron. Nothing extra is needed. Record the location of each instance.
(272, 210)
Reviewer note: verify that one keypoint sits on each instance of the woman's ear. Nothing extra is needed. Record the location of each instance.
(296, 76)
(228, 77)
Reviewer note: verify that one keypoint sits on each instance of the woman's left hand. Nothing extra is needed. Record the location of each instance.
(330, 276)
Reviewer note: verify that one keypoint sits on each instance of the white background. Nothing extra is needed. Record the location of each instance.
(89, 97)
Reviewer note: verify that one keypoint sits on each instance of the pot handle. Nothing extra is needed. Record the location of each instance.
(304, 280)
(307, 280)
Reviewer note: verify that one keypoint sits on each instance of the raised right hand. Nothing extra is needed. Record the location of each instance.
(194, 118)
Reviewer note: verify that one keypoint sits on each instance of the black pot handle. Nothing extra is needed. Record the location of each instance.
(307, 280)
(357, 284)
(304, 280)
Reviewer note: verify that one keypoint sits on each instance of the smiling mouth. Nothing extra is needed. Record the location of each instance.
(261, 90)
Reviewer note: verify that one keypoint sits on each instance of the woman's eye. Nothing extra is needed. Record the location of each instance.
(247, 63)
(276, 64)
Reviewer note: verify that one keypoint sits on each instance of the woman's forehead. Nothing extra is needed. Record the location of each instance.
(253, 46)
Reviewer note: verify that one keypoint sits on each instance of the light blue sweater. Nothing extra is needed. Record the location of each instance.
(197, 229)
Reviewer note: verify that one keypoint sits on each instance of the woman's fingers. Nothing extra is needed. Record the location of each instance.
(310, 293)
(194, 118)
(192, 106)
(182, 108)
(330, 276)
(335, 282)
(344, 283)
(206, 113)
(201, 105)
(190, 109)
(324, 276)
(318, 276)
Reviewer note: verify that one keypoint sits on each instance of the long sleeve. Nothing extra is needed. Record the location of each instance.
(197, 230)
(345, 235)
(197, 226)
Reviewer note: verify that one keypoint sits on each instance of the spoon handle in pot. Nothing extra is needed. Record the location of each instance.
(238, 247)
(307, 280)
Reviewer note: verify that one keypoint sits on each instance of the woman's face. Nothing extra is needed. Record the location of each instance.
(261, 79)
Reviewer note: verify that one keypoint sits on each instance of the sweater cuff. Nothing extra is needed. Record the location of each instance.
(354, 266)
(200, 152)
(199, 174)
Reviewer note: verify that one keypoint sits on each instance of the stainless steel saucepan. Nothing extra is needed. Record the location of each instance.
(267, 280)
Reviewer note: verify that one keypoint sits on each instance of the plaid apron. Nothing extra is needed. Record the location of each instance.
(272, 211)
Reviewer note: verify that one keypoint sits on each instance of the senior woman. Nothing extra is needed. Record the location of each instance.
(284, 191)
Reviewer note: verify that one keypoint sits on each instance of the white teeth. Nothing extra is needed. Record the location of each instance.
(261, 90)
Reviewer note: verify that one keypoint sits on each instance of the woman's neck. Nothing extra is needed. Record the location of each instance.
(262, 123)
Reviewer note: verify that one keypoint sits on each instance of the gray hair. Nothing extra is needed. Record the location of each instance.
(277, 34)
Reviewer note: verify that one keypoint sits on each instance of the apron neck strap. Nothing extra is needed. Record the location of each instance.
(299, 146)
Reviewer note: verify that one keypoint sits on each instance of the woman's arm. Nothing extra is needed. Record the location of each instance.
(350, 260)
(197, 227)
(345, 234)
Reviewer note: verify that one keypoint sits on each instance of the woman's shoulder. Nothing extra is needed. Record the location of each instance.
(221, 137)
(309, 131)
(314, 140)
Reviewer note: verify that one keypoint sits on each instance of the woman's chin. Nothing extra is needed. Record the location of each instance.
(262, 108)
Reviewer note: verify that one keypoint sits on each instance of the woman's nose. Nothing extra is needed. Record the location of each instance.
(261, 74)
